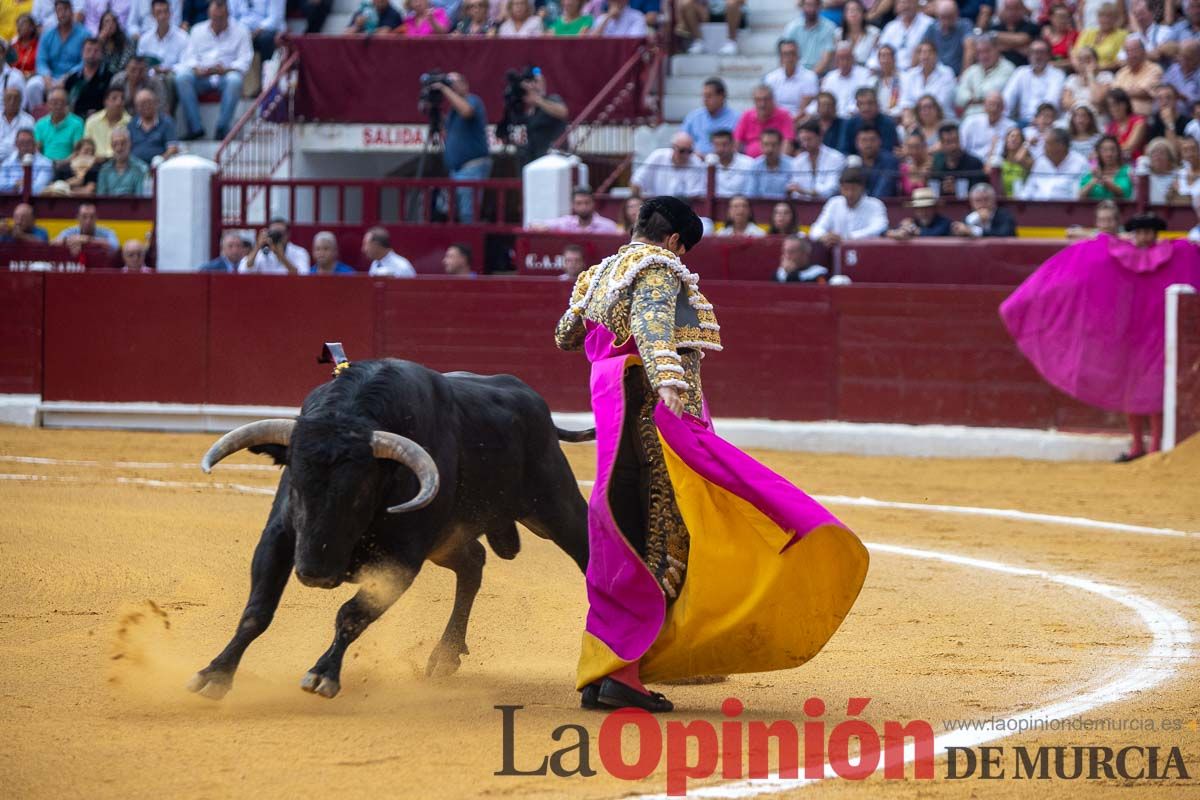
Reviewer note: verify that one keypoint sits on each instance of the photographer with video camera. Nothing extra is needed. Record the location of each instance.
(464, 133)
(527, 103)
(274, 254)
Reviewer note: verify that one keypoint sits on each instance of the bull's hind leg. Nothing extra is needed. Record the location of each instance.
(379, 591)
(269, 573)
(467, 564)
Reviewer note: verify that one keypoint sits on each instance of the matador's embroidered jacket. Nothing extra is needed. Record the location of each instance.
(646, 292)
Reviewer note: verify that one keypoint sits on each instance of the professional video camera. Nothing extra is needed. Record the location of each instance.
(430, 99)
(514, 100)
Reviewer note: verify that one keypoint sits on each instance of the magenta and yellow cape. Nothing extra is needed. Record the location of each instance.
(770, 575)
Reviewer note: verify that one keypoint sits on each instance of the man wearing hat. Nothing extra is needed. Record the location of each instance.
(925, 221)
(701, 560)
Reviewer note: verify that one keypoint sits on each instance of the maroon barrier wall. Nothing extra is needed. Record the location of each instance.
(1188, 398)
(20, 333)
(996, 262)
(863, 353)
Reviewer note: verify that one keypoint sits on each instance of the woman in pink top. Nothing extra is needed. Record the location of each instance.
(424, 21)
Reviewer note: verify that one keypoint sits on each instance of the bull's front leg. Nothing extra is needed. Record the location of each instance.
(381, 588)
(467, 565)
(269, 571)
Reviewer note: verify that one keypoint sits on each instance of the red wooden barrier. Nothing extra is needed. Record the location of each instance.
(1188, 397)
(994, 262)
(20, 333)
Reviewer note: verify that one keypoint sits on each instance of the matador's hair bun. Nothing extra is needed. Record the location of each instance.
(682, 219)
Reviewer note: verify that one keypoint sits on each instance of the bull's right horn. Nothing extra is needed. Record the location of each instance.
(265, 431)
(399, 448)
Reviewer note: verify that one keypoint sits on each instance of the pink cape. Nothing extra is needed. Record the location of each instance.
(1091, 319)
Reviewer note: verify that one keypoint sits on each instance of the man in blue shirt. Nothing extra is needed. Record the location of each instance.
(60, 51)
(233, 250)
(151, 133)
(465, 150)
(925, 219)
(715, 115)
(880, 167)
(868, 116)
(772, 173)
(24, 227)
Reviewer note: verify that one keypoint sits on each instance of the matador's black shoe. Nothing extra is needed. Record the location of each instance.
(614, 694)
(589, 697)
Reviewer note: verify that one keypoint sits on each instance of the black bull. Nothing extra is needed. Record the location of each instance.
(360, 500)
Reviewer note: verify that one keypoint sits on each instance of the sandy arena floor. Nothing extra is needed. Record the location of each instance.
(119, 581)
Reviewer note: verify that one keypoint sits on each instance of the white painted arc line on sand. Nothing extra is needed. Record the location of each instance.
(1170, 647)
(72, 462)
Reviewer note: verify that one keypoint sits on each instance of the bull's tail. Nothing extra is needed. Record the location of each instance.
(588, 435)
(505, 542)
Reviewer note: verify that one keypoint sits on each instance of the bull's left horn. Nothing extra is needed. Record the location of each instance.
(265, 431)
(395, 447)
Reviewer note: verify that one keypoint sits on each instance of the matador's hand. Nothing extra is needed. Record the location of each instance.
(670, 397)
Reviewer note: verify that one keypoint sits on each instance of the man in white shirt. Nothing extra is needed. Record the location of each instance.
(12, 171)
(929, 77)
(817, 168)
(674, 170)
(274, 253)
(851, 215)
(9, 77)
(165, 43)
(845, 79)
(1055, 175)
(983, 134)
(733, 176)
(217, 55)
(794, 86)
(903, 33)
(12, 120)
(385, 262)
(142, 21)
(1033, 84)
(989, 73)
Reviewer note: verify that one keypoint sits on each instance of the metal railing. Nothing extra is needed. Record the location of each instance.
(260, 142)
(646, 66)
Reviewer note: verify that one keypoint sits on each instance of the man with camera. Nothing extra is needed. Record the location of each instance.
(274, 254)
(543, 115)
(465, 149)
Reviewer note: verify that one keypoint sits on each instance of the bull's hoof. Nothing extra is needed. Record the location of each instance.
(211, 684)
(323, 685)
(444, 661)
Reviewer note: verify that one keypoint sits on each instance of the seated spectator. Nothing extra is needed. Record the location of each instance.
(424, 20)
(10, 77)
(457, 261)
(152, 133)
(814, 35)
(832, 127)
(583, 217)
(77, 176)
(59, 52)
(1162, 170)
(100, 125)
(1035, 134)
(93, 13)
(45, 14)
(1056, 175)
(573, 263)
(674, 170)
(771, 173)
(85, 231)
(917, 165)
(477, 22)
(1106, 38)
(87, 85)
(982, 135)
(572, 21)
(315, 12)
(133, 257)
(385, 262)
(1082, 130)
(928, 120)
(783, 220)
(1128, 128)
(24, 48)
(989, 73)
(1088, 83)
(12, 120)
(1108, 220)
(1109, 178)
(193, 13)
(747, 134)
(1186, 29)
(905, 32)
(818, 168)
(1167, 122)
(164, 42)
(740, 219)
(217, 57)
(794, 262)
(12, 172)
(142, 20)
(954, 169)
(1033, 85)
(274, 253)
(845, 79)
(794, 86)
(24, 227)
(693, 13)
(880, 168)
(949, 39)
(928, 78)
(123, 174)
(262, 19)
(58, 131)
(713, 115)
(733, 168)
(325, 256)
(378, 17)
(1184, 74)
(986, 218)
(887, 83)
(925, 219)
(850, 215)
(868, 116)
(233, 250)
(629, 213)
(1192, 129)
(137, 76)
(1187, 187)
(620, 20)
(858, 32)
(1015, 161)
(1014, 32)
(1060, 35)
(115, 47)
(1139, 77)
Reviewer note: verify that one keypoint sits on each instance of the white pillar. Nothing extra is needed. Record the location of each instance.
(546, 186)
(183, 214)
(1171, 363)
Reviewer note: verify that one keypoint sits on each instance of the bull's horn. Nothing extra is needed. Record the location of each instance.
(265, 431)
(398, 448)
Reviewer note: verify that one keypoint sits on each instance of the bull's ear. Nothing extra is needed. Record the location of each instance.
(277, 452)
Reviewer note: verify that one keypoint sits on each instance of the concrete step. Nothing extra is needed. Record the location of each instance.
(772, 18)
(727, 67)
(739, 88)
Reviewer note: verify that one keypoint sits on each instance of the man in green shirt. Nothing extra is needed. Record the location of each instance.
(57, 132)
(122, 174)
